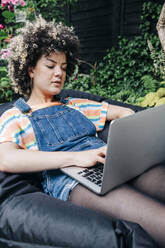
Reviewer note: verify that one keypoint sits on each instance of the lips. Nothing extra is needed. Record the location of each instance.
(57, 82)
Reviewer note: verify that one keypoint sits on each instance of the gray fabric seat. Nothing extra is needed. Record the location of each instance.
(29, 218)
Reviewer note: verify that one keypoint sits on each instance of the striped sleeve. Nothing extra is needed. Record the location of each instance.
(94, 111)
(11, 130)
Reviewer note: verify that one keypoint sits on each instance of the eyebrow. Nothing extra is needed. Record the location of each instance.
(55, 61)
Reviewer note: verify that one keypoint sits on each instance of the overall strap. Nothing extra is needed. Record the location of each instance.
(61, 99)
(22, 105)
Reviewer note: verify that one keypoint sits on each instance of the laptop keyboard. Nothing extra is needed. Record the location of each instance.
(93, 174)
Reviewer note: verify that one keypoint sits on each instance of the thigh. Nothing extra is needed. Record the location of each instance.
(82, 196)
(118, 203)
(124, 202)
(121, 203)
(152, 182)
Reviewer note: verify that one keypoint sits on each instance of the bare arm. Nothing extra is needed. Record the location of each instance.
(115, 112)
(16, 160)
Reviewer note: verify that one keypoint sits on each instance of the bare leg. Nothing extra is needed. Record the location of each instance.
(128, 204)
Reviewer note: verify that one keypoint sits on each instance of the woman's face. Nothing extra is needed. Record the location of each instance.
(49, 74)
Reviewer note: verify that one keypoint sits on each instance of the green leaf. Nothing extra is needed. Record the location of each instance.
(3, 37)
(3, 33)
(3, 69)
(8, 14)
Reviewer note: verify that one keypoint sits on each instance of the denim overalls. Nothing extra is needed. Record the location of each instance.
(60, 128)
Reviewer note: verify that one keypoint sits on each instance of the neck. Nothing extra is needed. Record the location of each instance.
(39, 99)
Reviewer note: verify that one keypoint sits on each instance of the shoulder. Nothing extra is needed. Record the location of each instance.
(13, 124)
(10, 115)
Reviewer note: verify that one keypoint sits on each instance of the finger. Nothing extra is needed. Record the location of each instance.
(103, 150)
(101, 159)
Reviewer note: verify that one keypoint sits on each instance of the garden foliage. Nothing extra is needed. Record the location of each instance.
(10, 25)
(127, 73)
(57, 6)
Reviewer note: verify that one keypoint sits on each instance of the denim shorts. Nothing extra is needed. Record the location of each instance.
(57, 184)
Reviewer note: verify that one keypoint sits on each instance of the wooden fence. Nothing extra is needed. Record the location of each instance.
(98, 24)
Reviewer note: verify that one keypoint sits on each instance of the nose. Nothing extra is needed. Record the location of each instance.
(58, 71)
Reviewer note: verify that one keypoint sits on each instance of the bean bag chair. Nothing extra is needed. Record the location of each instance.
(31, 219)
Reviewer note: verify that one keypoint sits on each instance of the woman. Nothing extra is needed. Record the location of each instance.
(46, 133)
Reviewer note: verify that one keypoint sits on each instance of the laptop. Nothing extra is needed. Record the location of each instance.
(135, 144)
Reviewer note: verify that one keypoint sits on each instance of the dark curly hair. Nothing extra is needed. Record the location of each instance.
(35, 39)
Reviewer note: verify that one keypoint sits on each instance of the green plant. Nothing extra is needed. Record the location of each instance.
(155, 95)
(149, 17)
(15, 13)
(152, 99)
(10, 10)
(158, 58)
(149, 84)
(53, 10)
(81, 81)
(6, 91)
(127, 73)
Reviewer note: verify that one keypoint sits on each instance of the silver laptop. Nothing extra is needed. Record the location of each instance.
(135, 143)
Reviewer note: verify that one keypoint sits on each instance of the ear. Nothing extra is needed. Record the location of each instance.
(31, 71)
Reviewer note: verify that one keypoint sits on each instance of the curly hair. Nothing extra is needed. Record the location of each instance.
(35, 39)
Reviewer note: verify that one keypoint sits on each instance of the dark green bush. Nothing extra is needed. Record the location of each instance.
(6, 92)
(124, 74)
(121, 73)
(53, 10)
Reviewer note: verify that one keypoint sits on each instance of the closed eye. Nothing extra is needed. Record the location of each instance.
(50, 66)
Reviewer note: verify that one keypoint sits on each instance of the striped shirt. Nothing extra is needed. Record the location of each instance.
(16, 127)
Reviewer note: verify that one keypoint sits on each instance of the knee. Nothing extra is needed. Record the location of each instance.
(152, 182)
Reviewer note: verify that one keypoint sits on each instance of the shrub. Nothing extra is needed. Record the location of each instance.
(44, 7)
(6, 92)
(127, 73)
(122, 70)
(7, 30)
